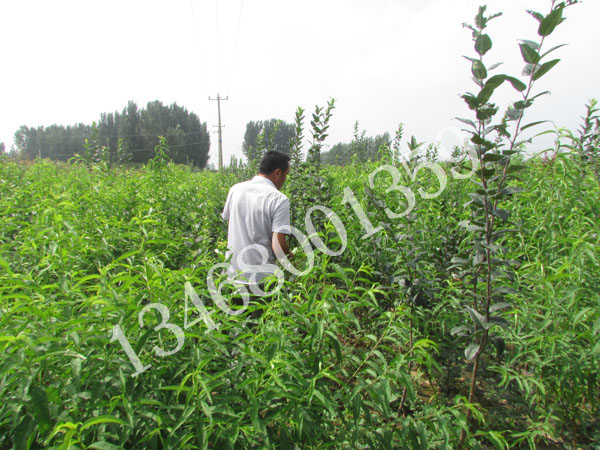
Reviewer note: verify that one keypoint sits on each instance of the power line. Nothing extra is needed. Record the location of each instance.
(217, 39)
(197, 29)
(237, 35)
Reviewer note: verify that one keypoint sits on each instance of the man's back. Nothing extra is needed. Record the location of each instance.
(255, 209)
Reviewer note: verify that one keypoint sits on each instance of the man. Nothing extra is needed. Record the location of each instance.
(258, 217)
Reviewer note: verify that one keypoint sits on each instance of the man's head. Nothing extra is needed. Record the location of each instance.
(275, 166)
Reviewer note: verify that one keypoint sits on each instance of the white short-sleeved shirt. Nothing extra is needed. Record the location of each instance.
(255, 209)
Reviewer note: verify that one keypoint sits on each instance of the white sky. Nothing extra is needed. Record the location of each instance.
(384, 61)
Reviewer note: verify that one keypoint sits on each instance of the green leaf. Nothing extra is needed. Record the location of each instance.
(103, 445)
(487, 111)
(529, 55)
(501, 213)
(458, 330)
(516, 83)
(471, 100)
(504, 290)
(39, 406)
(336, 346)
(544, 68)
(536, 15)
(522, 104)
(524, 141)
(513, 113)
(497, 439)
(456, 259)
(141, 341)
(480, 19)
(499, 321)
(477, 198)
(493, 157)
(498, 306)
(553, 48)
(512, 190)
(516, 168)
(489, 87)
(285, 441)
(467, 121)
(532, 124)
(540, 94)
(102, 419)
(478, 140)
(477, 318)
(534, 45)
(488, 172)
(22, 433)
(478, 70)
(549, 23)
(478, 259)
(499, 344)
(483, 44)
(4, 263)
(471, 351)
(500, 128)
(485, 94)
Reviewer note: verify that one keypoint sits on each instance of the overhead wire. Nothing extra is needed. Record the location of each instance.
(202, 59)
(237, 35)
(217, 40)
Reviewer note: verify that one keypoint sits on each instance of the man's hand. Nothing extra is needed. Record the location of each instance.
(280, 245)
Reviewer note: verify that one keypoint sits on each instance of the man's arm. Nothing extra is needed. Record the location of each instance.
(226, 208)
(279, 245)
(281, 222)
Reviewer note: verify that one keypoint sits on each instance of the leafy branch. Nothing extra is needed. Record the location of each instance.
(495, 147)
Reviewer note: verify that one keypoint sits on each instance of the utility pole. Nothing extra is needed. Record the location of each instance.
(218, 99)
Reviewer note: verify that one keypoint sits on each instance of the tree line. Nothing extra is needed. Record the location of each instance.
(275, 134)
(127, 136)
(132, 135)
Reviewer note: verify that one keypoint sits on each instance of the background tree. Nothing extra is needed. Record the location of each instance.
(128, 136)
(129, 129)
(362, 148)
(276, 135)
(339, 155)
(188, 139)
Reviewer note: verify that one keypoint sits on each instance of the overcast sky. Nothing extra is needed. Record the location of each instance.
(384, 61)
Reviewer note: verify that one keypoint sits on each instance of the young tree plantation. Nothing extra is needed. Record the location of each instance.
(429, 305)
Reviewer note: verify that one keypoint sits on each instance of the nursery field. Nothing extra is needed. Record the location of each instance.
(369, 343)
(429, 305)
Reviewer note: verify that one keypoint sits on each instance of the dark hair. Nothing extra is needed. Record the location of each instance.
(273, 160)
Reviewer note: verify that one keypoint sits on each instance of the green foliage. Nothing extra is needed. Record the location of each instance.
(369, 349)
(306, 184)
(332, 361)
(587, 142)
(319, 130)
(161, 156)
(95, 154)
(297, 138)
(486, 267)
(362, 148)
(129, 136)
(261, 136)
